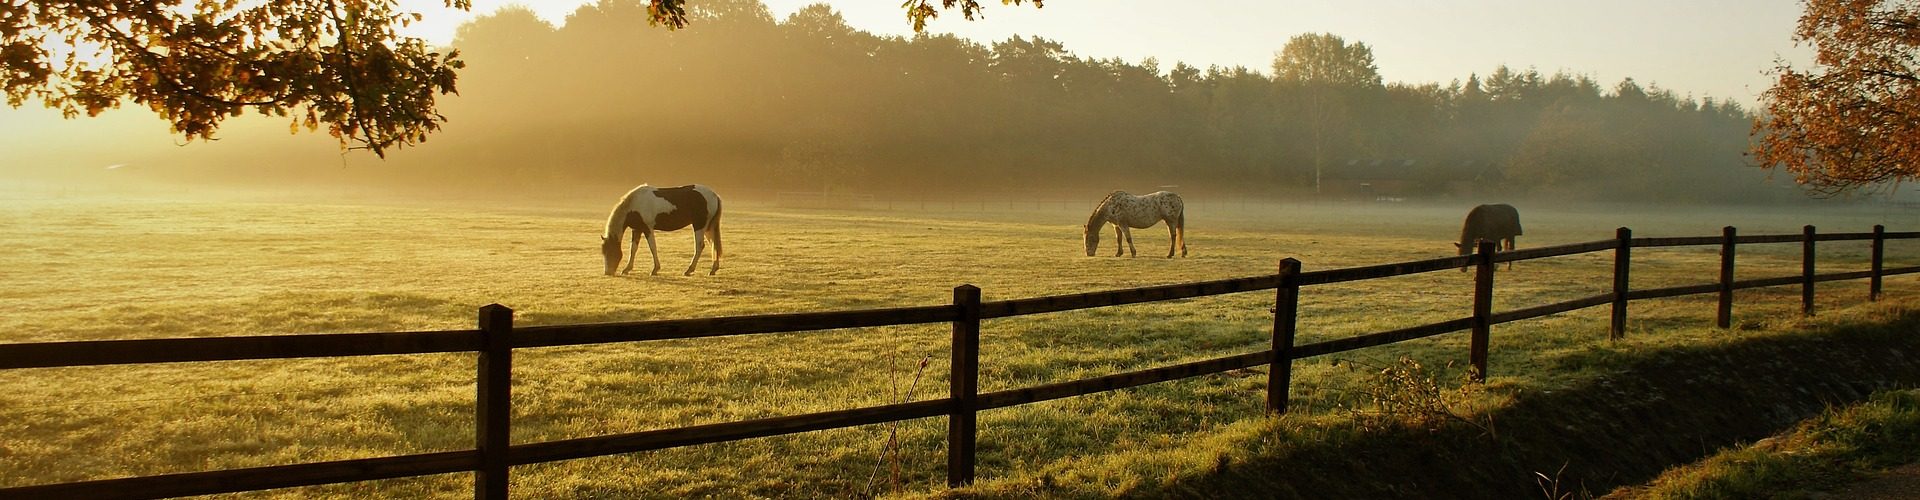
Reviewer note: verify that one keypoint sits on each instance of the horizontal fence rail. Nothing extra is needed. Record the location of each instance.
(728, 431)
(1766, 282)
(1381, 338)
(1058, 303)
(1013, 397)
(1555, 251)
(1770, 238)
(603, 333)
(1675, 291)
(121, 352)
(1677, 242)
(1383, 270)
(256, 478)
(1549, 309)
(496, 339)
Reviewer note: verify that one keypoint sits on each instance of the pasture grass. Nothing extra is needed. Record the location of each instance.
(1842, 445)
(93, 268)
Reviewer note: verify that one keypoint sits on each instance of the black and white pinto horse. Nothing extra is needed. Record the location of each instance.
(1496, 223)
(647, 209)
(1128, 212)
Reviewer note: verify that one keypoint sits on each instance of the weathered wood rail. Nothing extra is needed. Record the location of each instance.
(495, 339)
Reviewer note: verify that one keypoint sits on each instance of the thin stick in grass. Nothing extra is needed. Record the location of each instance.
(893, 435)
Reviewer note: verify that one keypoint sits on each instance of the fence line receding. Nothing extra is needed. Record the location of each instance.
(495, 338)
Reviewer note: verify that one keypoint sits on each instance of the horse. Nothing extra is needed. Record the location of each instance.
(647, 209)
(1497, 223)
(1128, 212)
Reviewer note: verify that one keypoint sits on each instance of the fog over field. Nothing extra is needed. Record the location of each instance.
(808, 103)
(860, 170)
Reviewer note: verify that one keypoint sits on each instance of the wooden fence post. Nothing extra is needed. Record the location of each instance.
(1482, 309)
(1622, 256)
(1723, 316)
(1286, 307)
(963, 386)
(1879, 250)
(493, 405)
(1806, 272)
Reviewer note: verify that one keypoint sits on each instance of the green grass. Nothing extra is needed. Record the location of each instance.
(96, 268)
(1840, 446)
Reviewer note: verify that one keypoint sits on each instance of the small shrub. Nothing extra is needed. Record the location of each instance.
(1405, 392)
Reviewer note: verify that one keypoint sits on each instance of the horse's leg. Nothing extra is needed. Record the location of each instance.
(1511, 244)
(1173, 239)
(1132, 251)
(1183, 235)
(713, 231)
(655, 250)
(1119, 239)
(633, 255)
(699, 245)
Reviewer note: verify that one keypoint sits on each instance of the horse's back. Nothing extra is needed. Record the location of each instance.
(691, 205)
(1494, 221)
(1508, 217)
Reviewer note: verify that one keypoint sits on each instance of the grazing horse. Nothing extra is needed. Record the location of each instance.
(1128, 212)
(646, 209)
(1496, 223)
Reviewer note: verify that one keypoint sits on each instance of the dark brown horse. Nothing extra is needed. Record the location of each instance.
(1497, 223)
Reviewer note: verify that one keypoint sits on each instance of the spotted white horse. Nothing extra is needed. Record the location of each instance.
(647, 209)
(1128, 212)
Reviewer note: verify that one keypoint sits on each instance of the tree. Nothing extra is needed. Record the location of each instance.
(1328, 68)
(921, 11)
(196, 63)
(337, 62)
(1325, 58)
(1855, 122)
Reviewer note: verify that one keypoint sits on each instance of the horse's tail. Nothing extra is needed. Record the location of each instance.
(713, 231)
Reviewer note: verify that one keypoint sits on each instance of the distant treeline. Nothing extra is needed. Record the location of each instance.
(809, 103)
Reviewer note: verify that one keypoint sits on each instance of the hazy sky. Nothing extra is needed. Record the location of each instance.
(1716, 48)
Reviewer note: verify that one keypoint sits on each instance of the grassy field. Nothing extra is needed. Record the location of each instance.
(92, 267)
(1822, 455)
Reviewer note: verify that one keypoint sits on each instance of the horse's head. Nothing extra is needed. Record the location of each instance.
(1092, 234)
(610, 248)
(1462, 249)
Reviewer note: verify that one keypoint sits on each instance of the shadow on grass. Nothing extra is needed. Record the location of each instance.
(1660, 408)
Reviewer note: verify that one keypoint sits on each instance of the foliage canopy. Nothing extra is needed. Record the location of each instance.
(1327, 59)
(1855, 122)
(196, 63)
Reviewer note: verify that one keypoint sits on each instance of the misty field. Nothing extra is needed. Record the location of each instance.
(95, 267)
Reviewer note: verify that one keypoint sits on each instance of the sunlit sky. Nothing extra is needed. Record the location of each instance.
(1697, 48)
(1717, 48)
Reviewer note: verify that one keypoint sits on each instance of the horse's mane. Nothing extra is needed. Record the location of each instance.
(1095, 216)
(617, 218)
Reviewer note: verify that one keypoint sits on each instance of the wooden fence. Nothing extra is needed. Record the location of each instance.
(495, 340)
